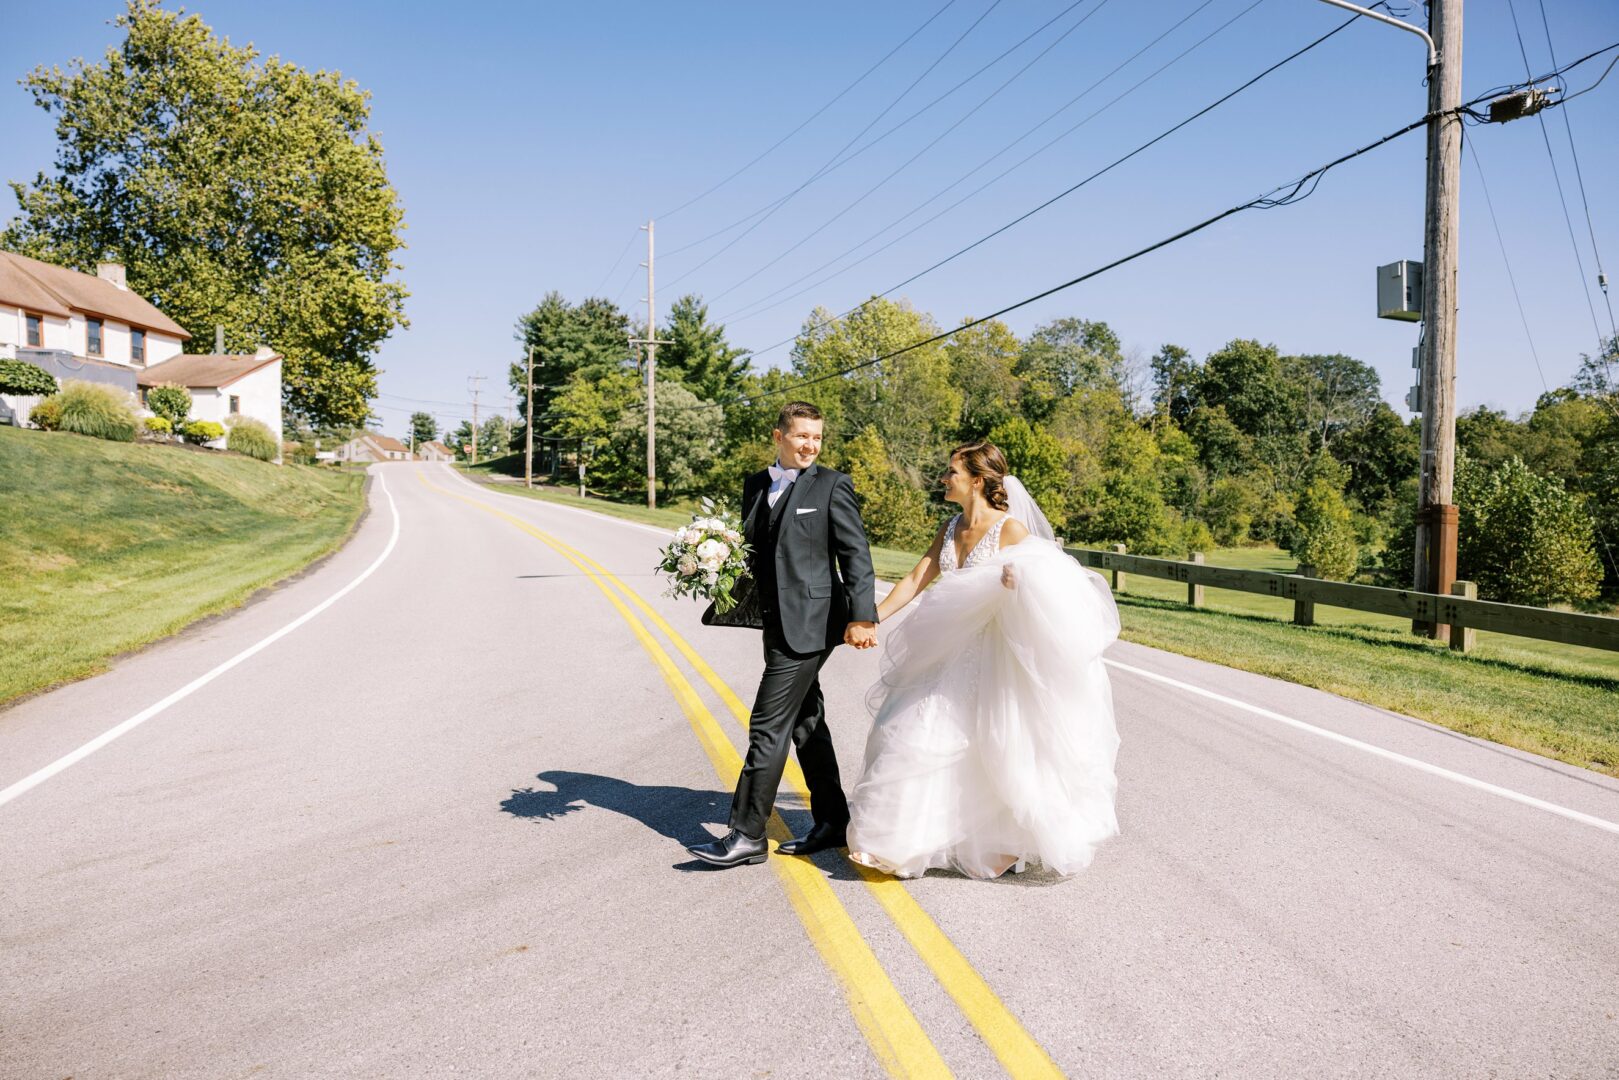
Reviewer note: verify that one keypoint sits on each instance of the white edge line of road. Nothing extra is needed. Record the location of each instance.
(35, 779)
(1390, 755)
(1378, 751)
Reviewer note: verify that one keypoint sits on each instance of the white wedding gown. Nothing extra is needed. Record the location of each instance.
(994, 740)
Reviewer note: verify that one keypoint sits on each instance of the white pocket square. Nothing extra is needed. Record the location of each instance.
(806, 509)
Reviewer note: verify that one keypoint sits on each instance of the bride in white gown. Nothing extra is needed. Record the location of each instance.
(994, 740)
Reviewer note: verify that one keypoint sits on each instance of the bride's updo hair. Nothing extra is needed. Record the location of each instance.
(985, 461)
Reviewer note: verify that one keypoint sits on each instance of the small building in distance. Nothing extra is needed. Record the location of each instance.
(369, 447)
(435, 451)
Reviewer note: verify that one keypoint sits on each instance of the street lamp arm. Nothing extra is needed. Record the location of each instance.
(1433, 53)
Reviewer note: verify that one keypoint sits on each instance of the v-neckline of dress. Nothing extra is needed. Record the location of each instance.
(959, 560)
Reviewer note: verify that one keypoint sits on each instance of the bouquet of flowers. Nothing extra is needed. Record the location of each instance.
(707, 558)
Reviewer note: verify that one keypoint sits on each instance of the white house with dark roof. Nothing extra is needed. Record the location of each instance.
(79, 326)
(224, 387)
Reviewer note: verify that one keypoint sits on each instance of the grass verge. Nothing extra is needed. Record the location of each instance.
(105, 547)
(1549, 699)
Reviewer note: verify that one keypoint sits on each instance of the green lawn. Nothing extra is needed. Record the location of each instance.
(105, 546)
(1558, 700)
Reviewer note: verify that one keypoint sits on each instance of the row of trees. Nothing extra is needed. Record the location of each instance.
(1164, 454)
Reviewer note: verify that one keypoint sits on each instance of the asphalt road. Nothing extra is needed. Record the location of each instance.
(436, 829)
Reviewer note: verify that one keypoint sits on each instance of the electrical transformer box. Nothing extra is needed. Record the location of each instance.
(1399, 291)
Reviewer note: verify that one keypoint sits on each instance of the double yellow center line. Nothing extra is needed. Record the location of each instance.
(892, 1030)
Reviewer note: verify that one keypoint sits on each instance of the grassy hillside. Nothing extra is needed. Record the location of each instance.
(105, 547)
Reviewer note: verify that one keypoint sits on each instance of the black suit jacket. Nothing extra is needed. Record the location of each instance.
(821, 539)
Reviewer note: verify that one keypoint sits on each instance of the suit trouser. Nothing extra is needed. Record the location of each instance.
(788, 706)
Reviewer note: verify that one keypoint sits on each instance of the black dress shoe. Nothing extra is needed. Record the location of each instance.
(734, 849)
(823, 837)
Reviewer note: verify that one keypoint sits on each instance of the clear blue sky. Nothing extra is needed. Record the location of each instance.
(528, 142)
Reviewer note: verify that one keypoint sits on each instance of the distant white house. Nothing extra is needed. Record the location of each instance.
(78, 326)
(224, 388)
(435, 451)
(370, 447)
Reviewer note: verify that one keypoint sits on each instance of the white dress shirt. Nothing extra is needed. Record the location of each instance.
(780, 480)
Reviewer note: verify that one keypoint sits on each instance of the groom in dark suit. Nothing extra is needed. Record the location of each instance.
(812, 571)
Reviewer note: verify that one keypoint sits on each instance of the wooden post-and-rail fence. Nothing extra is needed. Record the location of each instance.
(1463, 611)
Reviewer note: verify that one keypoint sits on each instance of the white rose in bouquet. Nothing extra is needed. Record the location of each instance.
(707, 559)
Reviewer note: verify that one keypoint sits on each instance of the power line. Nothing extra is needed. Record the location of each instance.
(837, 161)
(1596, 252)
(1075, 187)
(829, 165)
(1507, 261)
(1557, 177)
(1281, 195)
(622, 252)
(747, 312)
(934, 142)
(835, 99)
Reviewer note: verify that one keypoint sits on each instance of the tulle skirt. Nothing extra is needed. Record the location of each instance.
(994, 741)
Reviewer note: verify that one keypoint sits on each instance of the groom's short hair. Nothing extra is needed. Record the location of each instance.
(796, 410)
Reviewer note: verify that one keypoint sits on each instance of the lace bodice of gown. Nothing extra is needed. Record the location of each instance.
(984, 549)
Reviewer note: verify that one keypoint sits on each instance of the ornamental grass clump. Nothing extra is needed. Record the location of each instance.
(252, 438)
(97, 410)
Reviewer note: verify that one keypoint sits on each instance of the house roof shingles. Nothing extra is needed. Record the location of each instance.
(388, 442)
(203, 370)
(437, 447)
(56, 290)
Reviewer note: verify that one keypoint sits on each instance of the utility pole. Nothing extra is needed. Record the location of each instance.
(1436, 514)
(472, 383)
(528, 428)
(651, 342)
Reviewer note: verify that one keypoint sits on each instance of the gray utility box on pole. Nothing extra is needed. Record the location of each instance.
(1399, 291)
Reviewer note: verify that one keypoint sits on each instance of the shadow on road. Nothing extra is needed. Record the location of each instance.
(676, 812)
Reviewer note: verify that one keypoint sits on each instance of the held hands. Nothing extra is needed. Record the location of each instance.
(1008, 576)
(861, 635)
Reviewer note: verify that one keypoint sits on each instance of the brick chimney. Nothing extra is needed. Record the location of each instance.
(113, 272)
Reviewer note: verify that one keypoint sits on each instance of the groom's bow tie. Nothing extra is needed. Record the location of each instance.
(779, 473)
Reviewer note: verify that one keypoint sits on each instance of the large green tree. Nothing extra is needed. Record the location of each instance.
(982, 363)
(697, 353)
(423, 429)
(236, 191)
(1064, 357)
(910, 399)
(590, 338)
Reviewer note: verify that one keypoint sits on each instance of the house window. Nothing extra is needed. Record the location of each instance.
(92, 337)
(137, 345)
(235, 404)
(36, 329)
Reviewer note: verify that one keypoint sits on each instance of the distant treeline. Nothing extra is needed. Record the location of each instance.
(1166, 454)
